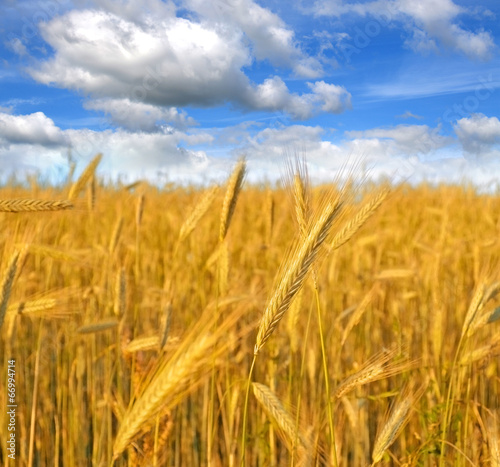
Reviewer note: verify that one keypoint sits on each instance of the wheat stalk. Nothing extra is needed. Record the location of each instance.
(120, 301)
(297, 178)
(143, 343)
(351, 227)
(479, 319)
(476, 305)
(269, 219)
(358, 313)
(197, 213)
(396, 421)
(295, 270)
(375, 369)
(98, 326)
(165, 325)
(84, 177)
(493, 436)
(33, 205)
(233, 189)
(6, 284)
(175, 377)
(51, 252)
(32, 306)
(139, 210)
(91, 190)
(115, 235)
(392, 428)
(286, 423)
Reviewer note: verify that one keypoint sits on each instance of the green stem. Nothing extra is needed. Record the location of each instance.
(449, 403)
(327, 382)
(245, 410)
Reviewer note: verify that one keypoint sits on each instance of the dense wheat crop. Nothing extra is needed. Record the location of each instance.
(232, 325)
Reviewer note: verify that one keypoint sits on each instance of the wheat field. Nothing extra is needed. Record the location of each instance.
(347, 325)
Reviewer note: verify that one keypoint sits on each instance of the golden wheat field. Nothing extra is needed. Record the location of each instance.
(344, 325)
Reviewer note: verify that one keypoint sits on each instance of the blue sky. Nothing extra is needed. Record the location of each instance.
(178, 90)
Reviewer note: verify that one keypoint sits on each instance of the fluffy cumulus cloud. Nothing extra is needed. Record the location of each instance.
(333, 99)
(409, 152)
(273, 94)
(402, 153)
(382, 151)
(479, 135)
(171, 62)
(33, 129)
(168, 62)
(270, 38)
(24, 137)
(138, 116)
(147, 64)
(430, 23)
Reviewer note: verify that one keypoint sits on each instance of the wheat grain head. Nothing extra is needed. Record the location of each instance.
(84, 177)
(231, 197)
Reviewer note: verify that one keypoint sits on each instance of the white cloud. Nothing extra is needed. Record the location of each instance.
(138, 116)
(269, 37)
(409, 114)
(36, 129)
(479, 134)
(414, 152)
(431, 23)
(274, 95)
(430, 12)
(29, 141)
(404, 152)
(17, 47)
(171, 62)
(334, 99)
(404, 139)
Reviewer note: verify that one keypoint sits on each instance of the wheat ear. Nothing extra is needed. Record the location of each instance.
(84, 177)
(493, 436)
(396, 421)
(31, 205)
(115, 235)
(358, 313)
(481, 318)
(32, 307)
(391, 430)
(296, 179)
(197, 213)
(377, 368)
(120, 301)
(286, 423)
(295, 270)
(98, 326)
(233, 189)
(6, 284)
(351, 227)
(175, 377)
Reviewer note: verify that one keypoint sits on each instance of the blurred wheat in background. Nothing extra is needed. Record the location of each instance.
(350, 324)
